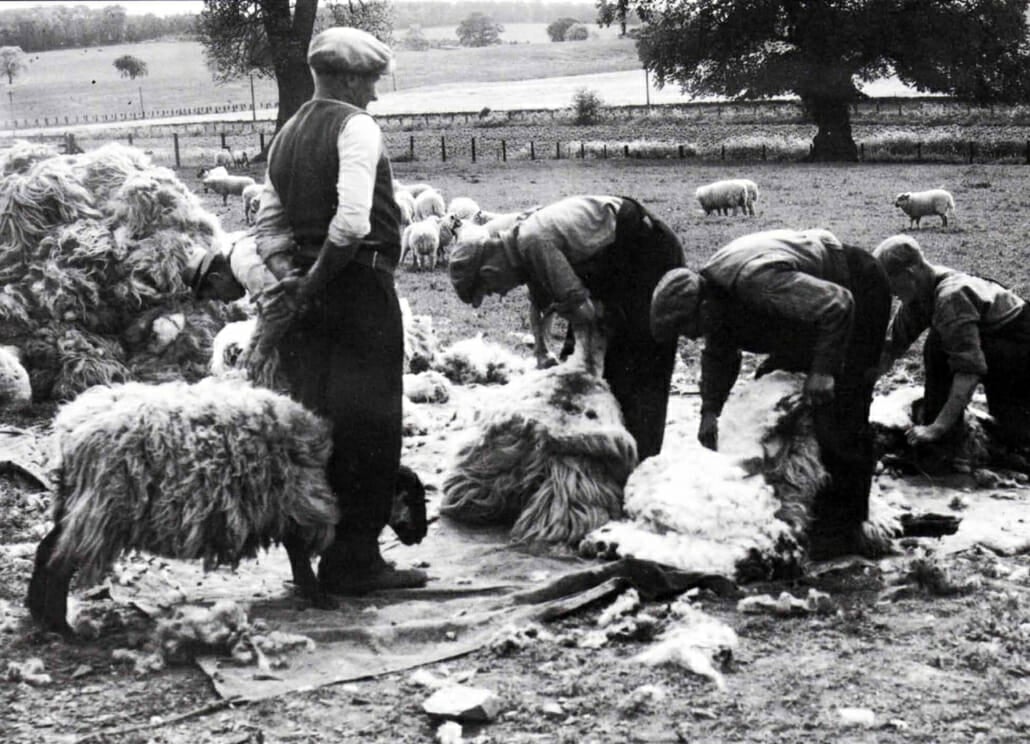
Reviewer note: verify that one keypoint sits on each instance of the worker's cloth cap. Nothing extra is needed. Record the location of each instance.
(197, 266)
(463, 266)
(343, 49)
(674, 303)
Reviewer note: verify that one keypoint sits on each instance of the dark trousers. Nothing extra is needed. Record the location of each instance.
(343, 359)
(638, 368)
(842, 426)
(1007, 351)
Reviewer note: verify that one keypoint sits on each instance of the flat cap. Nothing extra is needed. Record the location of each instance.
(674, 303)
(463, 267)
(345, 49)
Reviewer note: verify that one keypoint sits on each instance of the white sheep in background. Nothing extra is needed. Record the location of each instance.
(722, 196)
(497, 222)
(919, 204)
(226, 184)
(406, 203)
(239, 158)
(429, 202)
(463, 208)
(251, 202)
(414, 188)
(422, 240)
(223, 158)
(752, 195)
(218, 171)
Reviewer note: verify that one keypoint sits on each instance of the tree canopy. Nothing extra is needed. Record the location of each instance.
(270, 38)
(12, 62)
(130, 67)
(479, 30)
(556, 29)
(823, 50)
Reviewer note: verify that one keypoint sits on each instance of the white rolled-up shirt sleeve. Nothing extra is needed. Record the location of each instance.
(359, 147)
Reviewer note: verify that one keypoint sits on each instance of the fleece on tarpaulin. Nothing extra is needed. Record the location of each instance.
(550, 456)
(743, 511)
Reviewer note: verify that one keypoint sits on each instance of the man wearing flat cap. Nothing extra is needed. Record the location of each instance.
(813, 305)
(328, 229)
(594, 260)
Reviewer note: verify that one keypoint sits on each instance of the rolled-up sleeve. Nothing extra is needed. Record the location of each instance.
(793, 295)
(271, 228)
(552, 273)
(359, 147)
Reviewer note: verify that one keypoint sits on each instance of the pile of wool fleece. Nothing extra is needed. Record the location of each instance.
(478, 361)
(213, 470)
(421, 346)
(550, 456)
(93, 249)
(742, 512)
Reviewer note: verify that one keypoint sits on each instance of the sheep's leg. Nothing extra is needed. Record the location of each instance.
(304, 576)
(225, 199)
(944, 220)
(35, 600)
(56, 585)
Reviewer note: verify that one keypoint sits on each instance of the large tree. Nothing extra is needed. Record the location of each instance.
(478, 30)
(130, 67)
(270, 38)
(823, 50)
(12, 62)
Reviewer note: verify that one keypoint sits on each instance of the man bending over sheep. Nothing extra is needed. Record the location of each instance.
(979, 332)
(574, 253)
(328, 229)
(813, 305)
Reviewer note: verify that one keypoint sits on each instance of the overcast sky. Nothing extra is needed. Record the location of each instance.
(138, 7)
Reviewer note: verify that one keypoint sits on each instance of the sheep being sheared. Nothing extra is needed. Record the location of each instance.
(549, 457)
(742, 512)
(214, 470)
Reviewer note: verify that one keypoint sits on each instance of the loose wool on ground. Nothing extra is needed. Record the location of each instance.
(93, 251)
(550, 457)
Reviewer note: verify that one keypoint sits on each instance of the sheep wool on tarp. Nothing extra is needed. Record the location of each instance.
(478, 361)
(213, 470)
(549, 457)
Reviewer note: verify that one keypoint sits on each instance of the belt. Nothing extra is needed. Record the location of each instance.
(368, 255)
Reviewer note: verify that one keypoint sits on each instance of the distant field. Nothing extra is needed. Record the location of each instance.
(522, 33)
(84, 82)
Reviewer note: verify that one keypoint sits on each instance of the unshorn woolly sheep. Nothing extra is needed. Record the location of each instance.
(223, 158)
(722, 196)
(239, 158)
(15, 388)
(406, 203)
(214, 470)
(251, 202)
(463, 208)
(422, 240)
(225, 184)
(919, 204)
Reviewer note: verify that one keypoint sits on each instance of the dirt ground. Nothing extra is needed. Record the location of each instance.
(935, 647)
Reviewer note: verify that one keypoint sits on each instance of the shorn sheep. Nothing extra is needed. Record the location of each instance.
(251, 202)
(214, 470)
(225, 184)
(422, 240)
(722, 196)
(430, 202)
(919, 204)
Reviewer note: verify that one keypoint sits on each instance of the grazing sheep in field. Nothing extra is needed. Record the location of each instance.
(422, 240)
(416, 188)
(223, 158)
(214, 470)
(722, 196)
(251, 202)
(752, 195)
(225, 184)
(428, 203)
(463, 208)
(919, 204)
(406, 202)
(216, 172)
(239, 158)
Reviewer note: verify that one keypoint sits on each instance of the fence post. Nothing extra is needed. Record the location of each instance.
(557, 150)
(763, 152)
(919, 152)
(443, 148)
(723, 155)
(504, 151)
(261, 140)
(625, 151)
(223, 140)
(130, 139)
(971, 152)
(1028, 152)
(604, 151)
(861, 152)
(411, 147)
(682, 154)
(473, 149)
(582, 151)
(532, 151)
(175, 139)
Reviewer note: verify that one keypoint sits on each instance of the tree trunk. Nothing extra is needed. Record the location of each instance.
(295, 88)
(833, 141)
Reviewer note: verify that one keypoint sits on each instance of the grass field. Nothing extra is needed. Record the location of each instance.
(80, 82)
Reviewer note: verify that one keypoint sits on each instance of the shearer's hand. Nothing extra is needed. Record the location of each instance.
(708, 431)
(819, 388)
(923, 434)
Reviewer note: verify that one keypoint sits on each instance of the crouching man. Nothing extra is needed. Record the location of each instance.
(979, 332)
(594, 260)
(813, 305)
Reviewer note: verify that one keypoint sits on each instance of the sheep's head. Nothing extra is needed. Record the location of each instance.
(408, 512)
(902, 199)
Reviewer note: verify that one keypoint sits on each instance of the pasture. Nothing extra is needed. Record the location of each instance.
(932, 668)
